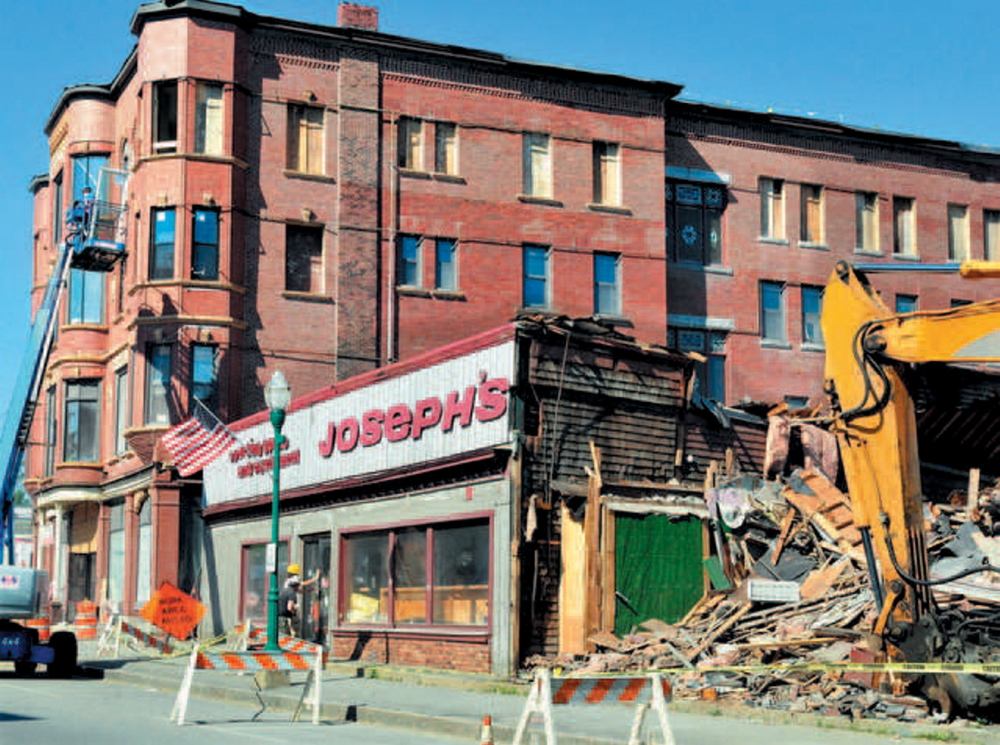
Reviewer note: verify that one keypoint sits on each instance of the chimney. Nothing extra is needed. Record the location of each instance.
(352, 15)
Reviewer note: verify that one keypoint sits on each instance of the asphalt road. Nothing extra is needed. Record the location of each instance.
(40, 711)
(43, 711)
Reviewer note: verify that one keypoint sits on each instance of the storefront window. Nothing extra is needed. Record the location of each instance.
(410, 576)
(457, 557)
(461, 580)
(256, 580)
(367, 581)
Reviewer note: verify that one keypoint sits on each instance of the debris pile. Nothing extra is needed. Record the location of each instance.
(795, 590)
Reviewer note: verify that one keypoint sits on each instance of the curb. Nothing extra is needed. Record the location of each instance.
(332, 711)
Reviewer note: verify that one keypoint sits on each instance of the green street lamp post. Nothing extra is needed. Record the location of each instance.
(278, 396)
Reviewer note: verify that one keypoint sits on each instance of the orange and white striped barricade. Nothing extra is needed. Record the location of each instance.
(647, 691)
(311, 662)
(257, 635)
(117, 625)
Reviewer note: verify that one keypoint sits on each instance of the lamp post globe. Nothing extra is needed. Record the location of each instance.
(278, 396)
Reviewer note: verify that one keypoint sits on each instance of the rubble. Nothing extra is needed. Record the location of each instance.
(799, 594)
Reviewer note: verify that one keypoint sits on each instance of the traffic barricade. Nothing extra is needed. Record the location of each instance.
(119, 626)
(649, 691)
(310, 661)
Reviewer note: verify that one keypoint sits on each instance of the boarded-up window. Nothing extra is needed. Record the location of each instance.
(208, 121)
(811, 226)
(446, 148)
(305, 138)
(410, 144)
(538, 166)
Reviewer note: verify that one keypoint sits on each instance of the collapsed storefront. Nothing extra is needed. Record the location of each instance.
(468, 508)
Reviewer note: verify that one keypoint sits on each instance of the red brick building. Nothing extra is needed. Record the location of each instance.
(330, 199)
(793, 197)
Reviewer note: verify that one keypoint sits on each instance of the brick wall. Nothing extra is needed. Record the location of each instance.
(388, 648)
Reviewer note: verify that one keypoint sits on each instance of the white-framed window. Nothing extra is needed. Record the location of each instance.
(535, 276)
(772, 208)
(537, 165)
(607, 284)
(958, 232)
(904, 224)
(208, 119)
(82, 421)
(446, 148)
(607, 173)
(165, 117)
(866, 221)
(408, 264)
(158, 372)
(811, 224)
(446, 264)
(304, 152)
(991, 235)
(812, 312)
(772, 312)
(410, 145)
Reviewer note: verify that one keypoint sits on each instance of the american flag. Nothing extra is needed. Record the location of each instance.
(198, 440)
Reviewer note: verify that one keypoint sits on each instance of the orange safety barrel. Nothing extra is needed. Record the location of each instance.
(42, 625)
(86, 620)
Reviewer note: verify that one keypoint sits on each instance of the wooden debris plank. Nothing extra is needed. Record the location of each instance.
(707, 640)
(609, 641)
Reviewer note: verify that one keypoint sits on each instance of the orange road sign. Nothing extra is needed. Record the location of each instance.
(173, 611)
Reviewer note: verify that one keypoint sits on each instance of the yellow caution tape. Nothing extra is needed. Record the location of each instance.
(974, 668)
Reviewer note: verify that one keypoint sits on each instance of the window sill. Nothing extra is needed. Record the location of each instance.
(305, 176)
(693, 266)
(546, 201)
(611, 208)
(82, 327)
(774, 344)
(411, 291)
(451, 178)
(452, 295)
(308, 297)
(915, 258)
(410, 173)
(814, 246)
(201, 284)
(421, 630)
(772, 241)
(807, 347)
(861, 251)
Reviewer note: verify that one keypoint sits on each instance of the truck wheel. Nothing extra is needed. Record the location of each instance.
(63, 643)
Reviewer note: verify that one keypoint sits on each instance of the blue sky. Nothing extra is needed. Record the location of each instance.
(915, 67)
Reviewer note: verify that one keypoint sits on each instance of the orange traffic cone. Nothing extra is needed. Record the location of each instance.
(486, 738)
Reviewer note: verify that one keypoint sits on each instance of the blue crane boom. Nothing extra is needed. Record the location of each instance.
(95, 241)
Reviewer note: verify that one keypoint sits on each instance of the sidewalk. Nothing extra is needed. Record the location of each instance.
(441, 702)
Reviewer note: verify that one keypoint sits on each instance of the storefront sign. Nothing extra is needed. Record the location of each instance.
(442, 410)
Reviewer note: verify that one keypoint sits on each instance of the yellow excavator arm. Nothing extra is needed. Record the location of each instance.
(867, 347)
(875, 422)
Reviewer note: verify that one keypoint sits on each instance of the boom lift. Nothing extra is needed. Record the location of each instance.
(95, 240)
(868, 350)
